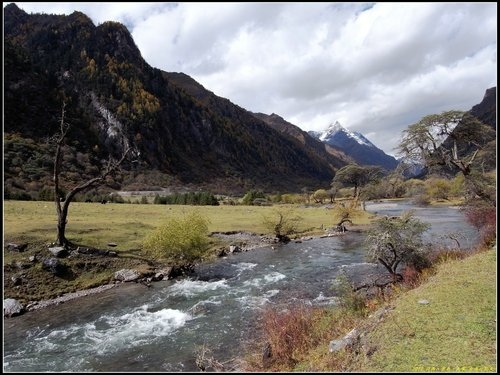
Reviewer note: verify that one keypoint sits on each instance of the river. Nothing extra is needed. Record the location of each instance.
(159, 329)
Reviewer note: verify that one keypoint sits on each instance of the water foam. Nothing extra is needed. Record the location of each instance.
(271, 293)
(189, 287)
(203, 306)
(251, 302)
(267, 279)
(135, 328)
(274, 276)
(243, 266)
(322, 300)
(106, 335)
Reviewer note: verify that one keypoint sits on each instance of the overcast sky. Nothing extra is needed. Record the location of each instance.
(374, 67)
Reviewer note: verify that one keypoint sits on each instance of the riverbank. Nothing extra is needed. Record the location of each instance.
(26, 281)
(32, 282)
(446, 324)
(165, 327)
(31, 225)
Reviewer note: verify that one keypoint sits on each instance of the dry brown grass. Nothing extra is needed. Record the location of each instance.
(291, 334)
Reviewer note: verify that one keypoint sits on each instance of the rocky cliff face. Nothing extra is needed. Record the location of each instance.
(486, 111)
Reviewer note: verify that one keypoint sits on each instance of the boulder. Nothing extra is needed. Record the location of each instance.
(12, 307)
(221, 252)
(16, 280)
(162, 274)
(58, 251)
(182, 270)
(234, 249)
(54, 266)
(127, 275)
(347, 341)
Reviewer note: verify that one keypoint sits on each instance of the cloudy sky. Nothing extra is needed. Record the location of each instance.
(374, 67)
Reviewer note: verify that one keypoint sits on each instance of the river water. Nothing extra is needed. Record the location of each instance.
(159, 329)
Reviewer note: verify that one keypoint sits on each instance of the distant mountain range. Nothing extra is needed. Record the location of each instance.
(331, 153)
(356, 146)
(182, 135)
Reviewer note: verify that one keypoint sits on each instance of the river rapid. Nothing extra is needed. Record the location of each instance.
(160, 329)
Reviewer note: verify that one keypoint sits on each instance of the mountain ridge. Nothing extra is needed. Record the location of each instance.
(322, 149)
(179, 134)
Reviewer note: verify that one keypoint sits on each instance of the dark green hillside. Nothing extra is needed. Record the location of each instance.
(323, 150)
(115, 99)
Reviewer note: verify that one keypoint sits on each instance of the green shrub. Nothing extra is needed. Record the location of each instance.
(398, 240)
(181, 240)
(422, 200)
(17, 195)
(250, 197)
(282, 222)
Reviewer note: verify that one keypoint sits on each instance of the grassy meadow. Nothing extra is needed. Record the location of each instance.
(95, 224)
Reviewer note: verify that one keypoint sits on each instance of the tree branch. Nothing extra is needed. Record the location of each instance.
(386, 265)
(111, 167)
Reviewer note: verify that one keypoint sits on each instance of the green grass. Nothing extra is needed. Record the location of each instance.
(455, 332)
(95, 224)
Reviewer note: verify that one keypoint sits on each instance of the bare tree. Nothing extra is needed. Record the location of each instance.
(450, 139)
(436, 140)
(283, 222)
(62, 207)
(344, 213)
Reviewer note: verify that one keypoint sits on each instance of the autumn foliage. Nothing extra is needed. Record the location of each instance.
(483, 218)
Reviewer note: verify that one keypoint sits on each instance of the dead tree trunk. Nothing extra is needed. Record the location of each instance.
(62, 207)
(341, 225)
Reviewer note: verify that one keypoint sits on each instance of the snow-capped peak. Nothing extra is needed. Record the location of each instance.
(332, 129)
(335, 128)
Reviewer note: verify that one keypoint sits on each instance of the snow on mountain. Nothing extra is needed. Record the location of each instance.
(356, 146)
(335, 128)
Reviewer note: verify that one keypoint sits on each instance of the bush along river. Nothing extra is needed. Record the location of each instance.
(161, 328)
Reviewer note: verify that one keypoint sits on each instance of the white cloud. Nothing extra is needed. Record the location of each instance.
(375, 67)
